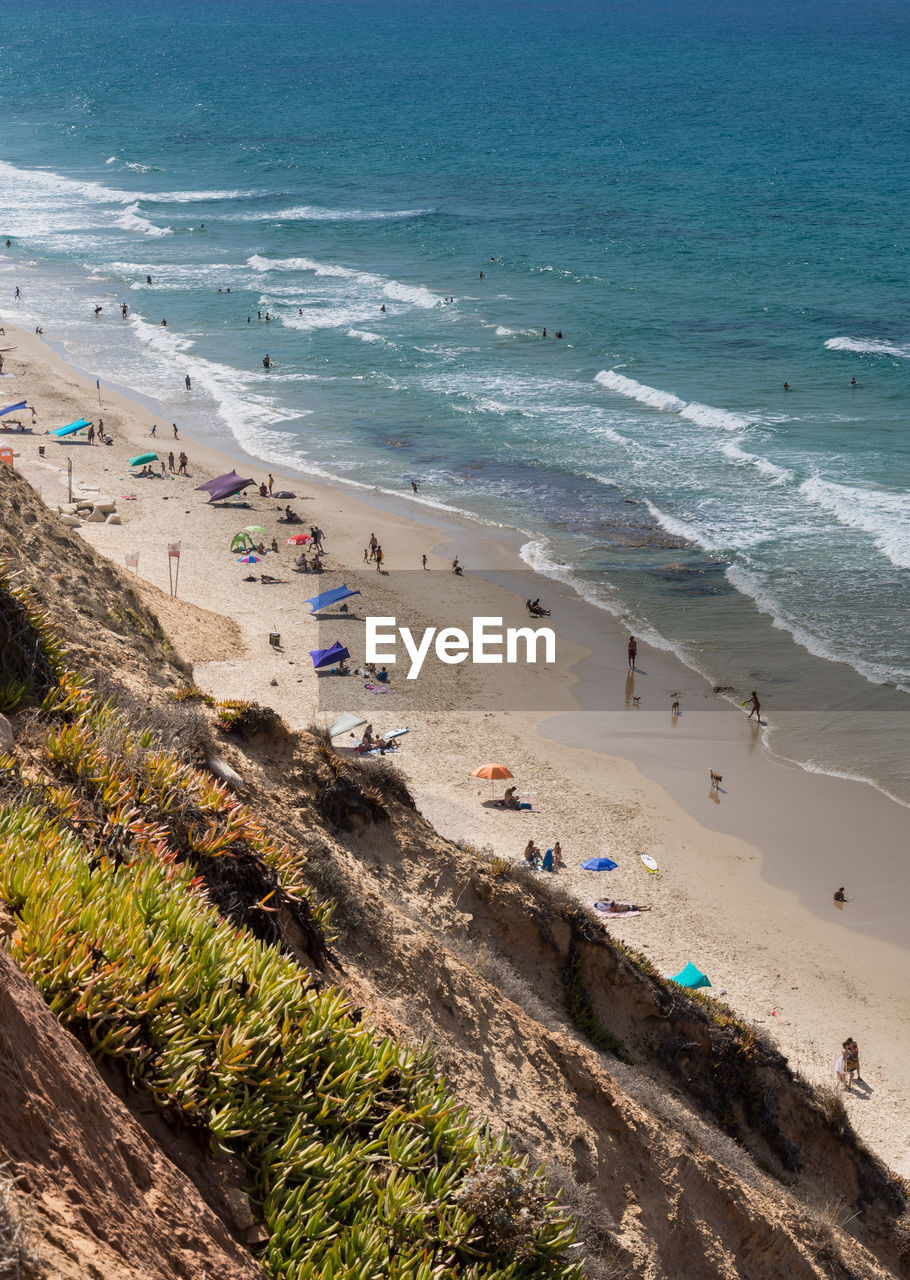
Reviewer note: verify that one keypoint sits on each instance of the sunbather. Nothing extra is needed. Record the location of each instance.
(268, 579)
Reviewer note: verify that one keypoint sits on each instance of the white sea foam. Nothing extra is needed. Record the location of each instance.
(624, 386)
(239, 407)
(364, 336)
(312, 213)
(883, 514)
(703, 415)
(870, 347)
(779, 475)
(394, 290)
(751, 583)
(132, 220)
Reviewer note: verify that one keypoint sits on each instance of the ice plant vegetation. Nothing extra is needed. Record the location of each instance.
(360, 1162)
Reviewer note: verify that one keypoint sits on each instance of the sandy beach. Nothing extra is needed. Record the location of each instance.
(747, 872)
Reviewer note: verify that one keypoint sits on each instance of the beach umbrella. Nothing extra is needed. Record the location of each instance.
(691, 977)
(325, 598)
(249, 559)
(347, 722)
(253, 528)
(492, 771)
(599, 864)
(327, 657)
(299, 539)
(11, 408)
(140, 458)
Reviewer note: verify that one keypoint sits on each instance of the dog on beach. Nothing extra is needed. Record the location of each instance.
(636, 702)
(716, 779)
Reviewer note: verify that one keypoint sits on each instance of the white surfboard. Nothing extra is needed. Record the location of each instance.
(650, 863)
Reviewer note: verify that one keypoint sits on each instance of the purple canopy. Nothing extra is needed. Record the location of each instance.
(224, 486)
(327, 657)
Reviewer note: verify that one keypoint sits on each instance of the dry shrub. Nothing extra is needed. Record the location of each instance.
(18, 1258)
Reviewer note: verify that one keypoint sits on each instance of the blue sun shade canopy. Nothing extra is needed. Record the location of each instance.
(71, 429)
(330, 597)
(11, 408)
(328, 657)
(599, 864)
(224, 486)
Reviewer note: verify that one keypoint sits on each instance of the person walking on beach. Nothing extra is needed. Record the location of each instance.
(423, 559)
(373, 545)
(183, 460)
(155, 429)
(170, 462)
(271, 482)
(633, 652)
(755, 705)
(17, 295)
(379, 559)
(174, 425)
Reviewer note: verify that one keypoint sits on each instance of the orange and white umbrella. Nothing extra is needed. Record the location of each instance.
(492, 771)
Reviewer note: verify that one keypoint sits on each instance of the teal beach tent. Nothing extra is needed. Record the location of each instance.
(691, 977)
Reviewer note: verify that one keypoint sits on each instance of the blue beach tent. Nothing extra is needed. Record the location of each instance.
(71, 429)
(691, 977)
(328, 657)
(330, 597)
(599, 864)
(12, 408)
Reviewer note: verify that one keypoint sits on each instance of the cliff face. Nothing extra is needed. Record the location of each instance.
(98, 1197)
(679, 1138)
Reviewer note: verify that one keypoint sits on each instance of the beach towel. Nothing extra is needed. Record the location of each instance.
(380, 688)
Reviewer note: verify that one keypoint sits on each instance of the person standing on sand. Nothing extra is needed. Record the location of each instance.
(155, 429)
(91, 433)
(170, 462)
(373, 545)
(379, 559)
(423, 559)
(633, 652)
(755, 705)
(851, 1062)
(271, 482)
(183, 460)
(174, 425)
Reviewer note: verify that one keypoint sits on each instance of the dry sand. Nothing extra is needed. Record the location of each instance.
(746, 875)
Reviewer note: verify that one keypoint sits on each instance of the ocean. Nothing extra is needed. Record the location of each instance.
(706, 201)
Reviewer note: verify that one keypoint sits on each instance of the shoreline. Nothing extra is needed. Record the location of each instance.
(622, 778)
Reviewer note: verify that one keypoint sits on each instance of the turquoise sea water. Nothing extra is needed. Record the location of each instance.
(706, 200)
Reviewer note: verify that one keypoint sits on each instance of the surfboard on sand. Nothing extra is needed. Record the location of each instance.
(650, 863)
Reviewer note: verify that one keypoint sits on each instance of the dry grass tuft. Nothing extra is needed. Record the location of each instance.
(18, 1257)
